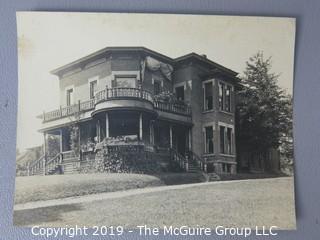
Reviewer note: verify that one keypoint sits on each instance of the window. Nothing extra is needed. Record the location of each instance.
(208, 96)
(221, 96)
(228, 99)
(222, 139)
(93, 88)
(157, 87)
(225, 97)
(126, 82)
(209, 139)
(226, 136)
(229, 141)
(69, 97)
(180, 93)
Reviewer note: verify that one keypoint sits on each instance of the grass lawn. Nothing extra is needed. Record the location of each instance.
(37, 188)
(261, 202)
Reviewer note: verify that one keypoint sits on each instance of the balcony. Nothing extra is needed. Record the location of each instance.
(119, 97)
(123, 93)
(68, 111)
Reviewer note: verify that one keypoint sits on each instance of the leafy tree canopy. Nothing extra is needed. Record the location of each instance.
(264, 110)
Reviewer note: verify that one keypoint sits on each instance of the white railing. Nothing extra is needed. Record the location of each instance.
(117, 93)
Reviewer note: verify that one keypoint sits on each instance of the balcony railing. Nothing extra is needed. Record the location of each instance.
(180, 108)
(117, 93)
(114, 93)
(69, 110)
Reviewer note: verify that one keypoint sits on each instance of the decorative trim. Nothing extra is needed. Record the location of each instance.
(95, 63)
(226, 125)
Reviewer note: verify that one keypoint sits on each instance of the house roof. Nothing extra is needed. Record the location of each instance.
(159, 56)
(205, 60)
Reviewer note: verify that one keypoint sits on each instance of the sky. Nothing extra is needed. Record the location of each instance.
(49, 40)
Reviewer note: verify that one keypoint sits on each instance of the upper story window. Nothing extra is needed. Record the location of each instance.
(156, 87)
(93, 88)
(208, 96)
(180, 93)
(125, 81)
(209, 139)
(69, 96)
(225, 97)
(228, 99)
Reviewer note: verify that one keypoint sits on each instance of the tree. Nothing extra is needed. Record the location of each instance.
(264, 113)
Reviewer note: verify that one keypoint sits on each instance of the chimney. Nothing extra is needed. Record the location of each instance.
(204, 55)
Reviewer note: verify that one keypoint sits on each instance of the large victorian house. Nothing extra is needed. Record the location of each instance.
(132, 95)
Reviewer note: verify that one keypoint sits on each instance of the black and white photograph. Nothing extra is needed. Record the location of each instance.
(128, 119)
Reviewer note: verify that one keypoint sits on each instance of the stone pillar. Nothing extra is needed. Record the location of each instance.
(140, 127)
(107, 125)
(170, 133)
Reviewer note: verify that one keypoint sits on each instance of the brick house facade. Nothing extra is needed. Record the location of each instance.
(186, 104)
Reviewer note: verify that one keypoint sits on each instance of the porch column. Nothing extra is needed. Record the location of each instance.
(44, 143)
(140, 126)
(151, 131)
(61, 140)
(170, 132)
(98, 130)
(107, 125)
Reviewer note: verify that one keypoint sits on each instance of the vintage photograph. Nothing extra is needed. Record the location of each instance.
(154, 119)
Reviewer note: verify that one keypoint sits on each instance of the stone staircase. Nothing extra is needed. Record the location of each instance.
(193, 167)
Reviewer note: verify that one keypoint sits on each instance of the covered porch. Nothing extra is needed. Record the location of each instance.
(135, 125)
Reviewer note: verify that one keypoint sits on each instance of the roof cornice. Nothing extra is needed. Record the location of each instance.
(108, 50)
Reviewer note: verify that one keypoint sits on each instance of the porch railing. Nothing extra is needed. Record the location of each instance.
(179, 159)
(53, 163)
(199, 161)
(36, 167)
(117, 93)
